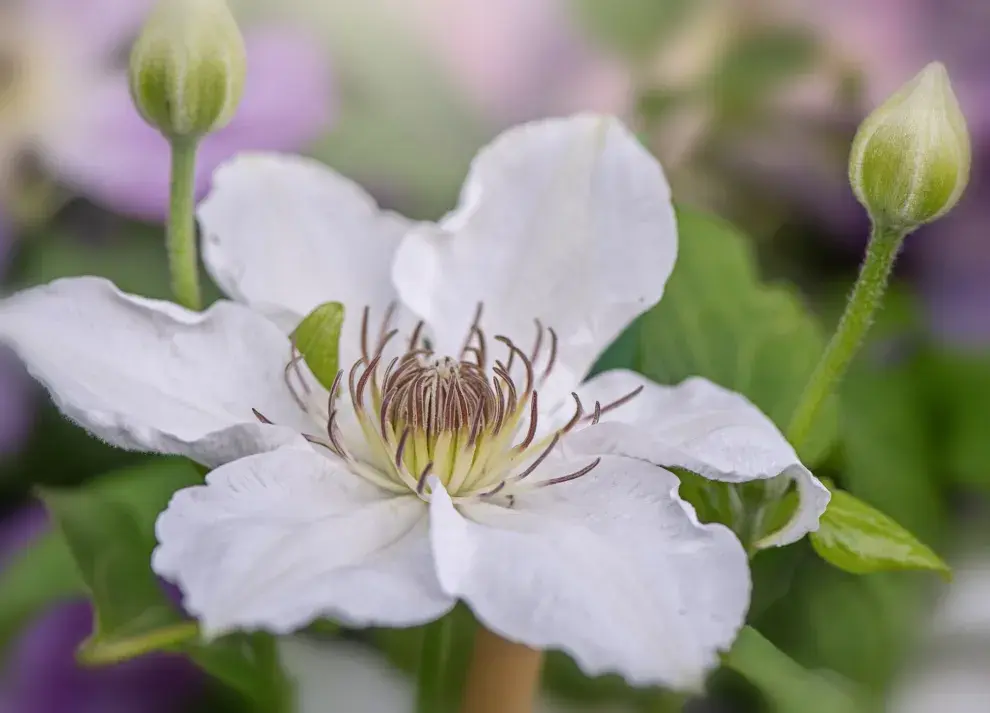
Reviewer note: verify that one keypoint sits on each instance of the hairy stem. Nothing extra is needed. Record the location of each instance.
(181, 230)
(856, 320)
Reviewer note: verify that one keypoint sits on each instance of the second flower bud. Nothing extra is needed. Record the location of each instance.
(187, 67)
(910, 159)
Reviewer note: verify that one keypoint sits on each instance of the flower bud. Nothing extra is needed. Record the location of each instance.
(910, 158)
(187, 67)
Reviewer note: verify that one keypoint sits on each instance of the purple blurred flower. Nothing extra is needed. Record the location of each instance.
(90, 137)
(952, 256)
(42, 675)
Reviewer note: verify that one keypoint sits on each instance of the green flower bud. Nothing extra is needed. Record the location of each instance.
(910, 159)
(187, 67)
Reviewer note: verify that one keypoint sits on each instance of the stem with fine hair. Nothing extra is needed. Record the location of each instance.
(856, 320)
(181, 229)
(433, 667)
(503, 676)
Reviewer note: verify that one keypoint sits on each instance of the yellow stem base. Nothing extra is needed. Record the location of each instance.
(503, 676)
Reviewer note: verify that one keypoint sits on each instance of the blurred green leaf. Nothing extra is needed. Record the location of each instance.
(787, 686)
(757, 64)
(623, 353)
(960, 401)
(655, 104)
(109, 528)
(719, 321)
(889, 454)
(857, 538)
(42, 574)
(318, 339)
(131, 255)
(634, 27)
(865, 628)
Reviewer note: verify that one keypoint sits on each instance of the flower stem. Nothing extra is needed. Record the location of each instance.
(856, 320)
(181, 230)
(433, 667)
(503, 676)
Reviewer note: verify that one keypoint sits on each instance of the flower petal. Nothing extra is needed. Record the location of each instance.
(704, 428)
(568, 221)
(286, 234)
(613, 568)
(276, 540)
(151, 376)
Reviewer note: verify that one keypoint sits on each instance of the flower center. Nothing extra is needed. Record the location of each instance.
(473, 426)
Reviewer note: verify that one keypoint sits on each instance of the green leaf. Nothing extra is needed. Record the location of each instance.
(318, 339)
(859, 539)
(717, 320)
(40, 575)
(960, 394)
(886, 439)
(787, 686)
(109, 528)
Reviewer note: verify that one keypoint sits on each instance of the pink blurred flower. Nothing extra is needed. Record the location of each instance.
(892, 40)
(524, 59)
(85, 131)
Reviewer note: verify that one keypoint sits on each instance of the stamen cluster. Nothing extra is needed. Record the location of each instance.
(470, 425)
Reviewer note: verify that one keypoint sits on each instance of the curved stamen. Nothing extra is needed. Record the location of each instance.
(552, 359)
(513, 349)
(400, 449)
(292, 367)
(365, 377)
(570, 476)
(414, 337)
(386, 323)
(599, 410)
(531, 433)
(421, 482)
(539, 340)
(540, 458)
(365, 314)
(578, 413)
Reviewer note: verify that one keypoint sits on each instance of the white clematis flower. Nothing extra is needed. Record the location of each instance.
(448, 462)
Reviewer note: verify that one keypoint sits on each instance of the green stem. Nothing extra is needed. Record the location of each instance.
(856, 320)
(281, 689)
(433, 667)
(181, 230)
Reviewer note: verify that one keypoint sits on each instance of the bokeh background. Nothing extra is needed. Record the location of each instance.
(749, 104)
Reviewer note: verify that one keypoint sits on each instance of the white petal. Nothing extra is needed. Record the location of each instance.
(149, 375)
(277, 540)
(286, 234)
(568, 221)
(613, 568)
(700, 426)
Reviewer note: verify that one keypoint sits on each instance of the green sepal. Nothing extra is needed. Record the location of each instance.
(317, 338)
